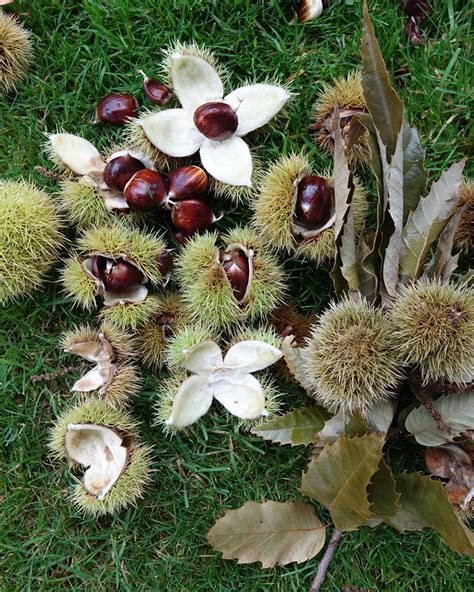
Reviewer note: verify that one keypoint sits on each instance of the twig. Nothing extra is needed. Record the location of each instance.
(436, 415)
(325, 561)
(48, 376)
(43, 171)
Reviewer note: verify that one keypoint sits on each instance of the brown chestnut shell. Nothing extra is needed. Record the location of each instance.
(116, 109)
(216, 120)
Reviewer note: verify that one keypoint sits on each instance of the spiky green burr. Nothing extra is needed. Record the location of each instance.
(16, 52)
(206, 290)
(131, 484)
(30, 238)
(121, 377)
(116, 240)
(274, 206)
(434, 330)
(350, 358)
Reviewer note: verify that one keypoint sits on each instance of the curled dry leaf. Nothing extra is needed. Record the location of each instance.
(273, 533)
(293, 356)
(99, 449)
(100, 352)
(453, 463)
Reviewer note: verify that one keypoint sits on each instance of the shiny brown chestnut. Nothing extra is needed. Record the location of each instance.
(165, 264)
(157, 92)
(119, 170)
(314, 202)
(216, 121)
(186, 181)
(116, 108)
(192, 215)
(237, 269)
(145, 191)
(121, 276)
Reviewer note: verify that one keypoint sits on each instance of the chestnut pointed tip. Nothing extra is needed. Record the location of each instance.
(145, 77)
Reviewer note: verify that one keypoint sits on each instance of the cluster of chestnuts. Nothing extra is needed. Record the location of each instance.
(119, 108)
(144, 189)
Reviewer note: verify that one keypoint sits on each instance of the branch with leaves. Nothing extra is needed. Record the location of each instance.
(392, 356)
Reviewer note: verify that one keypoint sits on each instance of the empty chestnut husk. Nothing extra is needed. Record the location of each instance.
(145, 191)
(116, 109)
(216, 121)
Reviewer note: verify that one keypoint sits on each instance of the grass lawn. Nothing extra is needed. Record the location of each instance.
(83, 51)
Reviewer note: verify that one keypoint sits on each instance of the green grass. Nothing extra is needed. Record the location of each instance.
(84, 50)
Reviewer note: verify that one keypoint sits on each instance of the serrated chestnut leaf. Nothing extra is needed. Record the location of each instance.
(192, 215)
(314, 202)
(145, 191)
(116, 108)
(186, 181)
(236, 267)
(156, 91)
(121, 276)
(216, 121)
(119, 170)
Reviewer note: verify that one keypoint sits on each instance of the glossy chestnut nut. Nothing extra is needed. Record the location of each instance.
(236, 267)
(116, 108)
(145, 191)
(216, 121)
(186, 181)
(119, 170)
(308, 10)
(121, 276)
(157, 92)
(314, 202)
(192, 215)
(165, 264)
